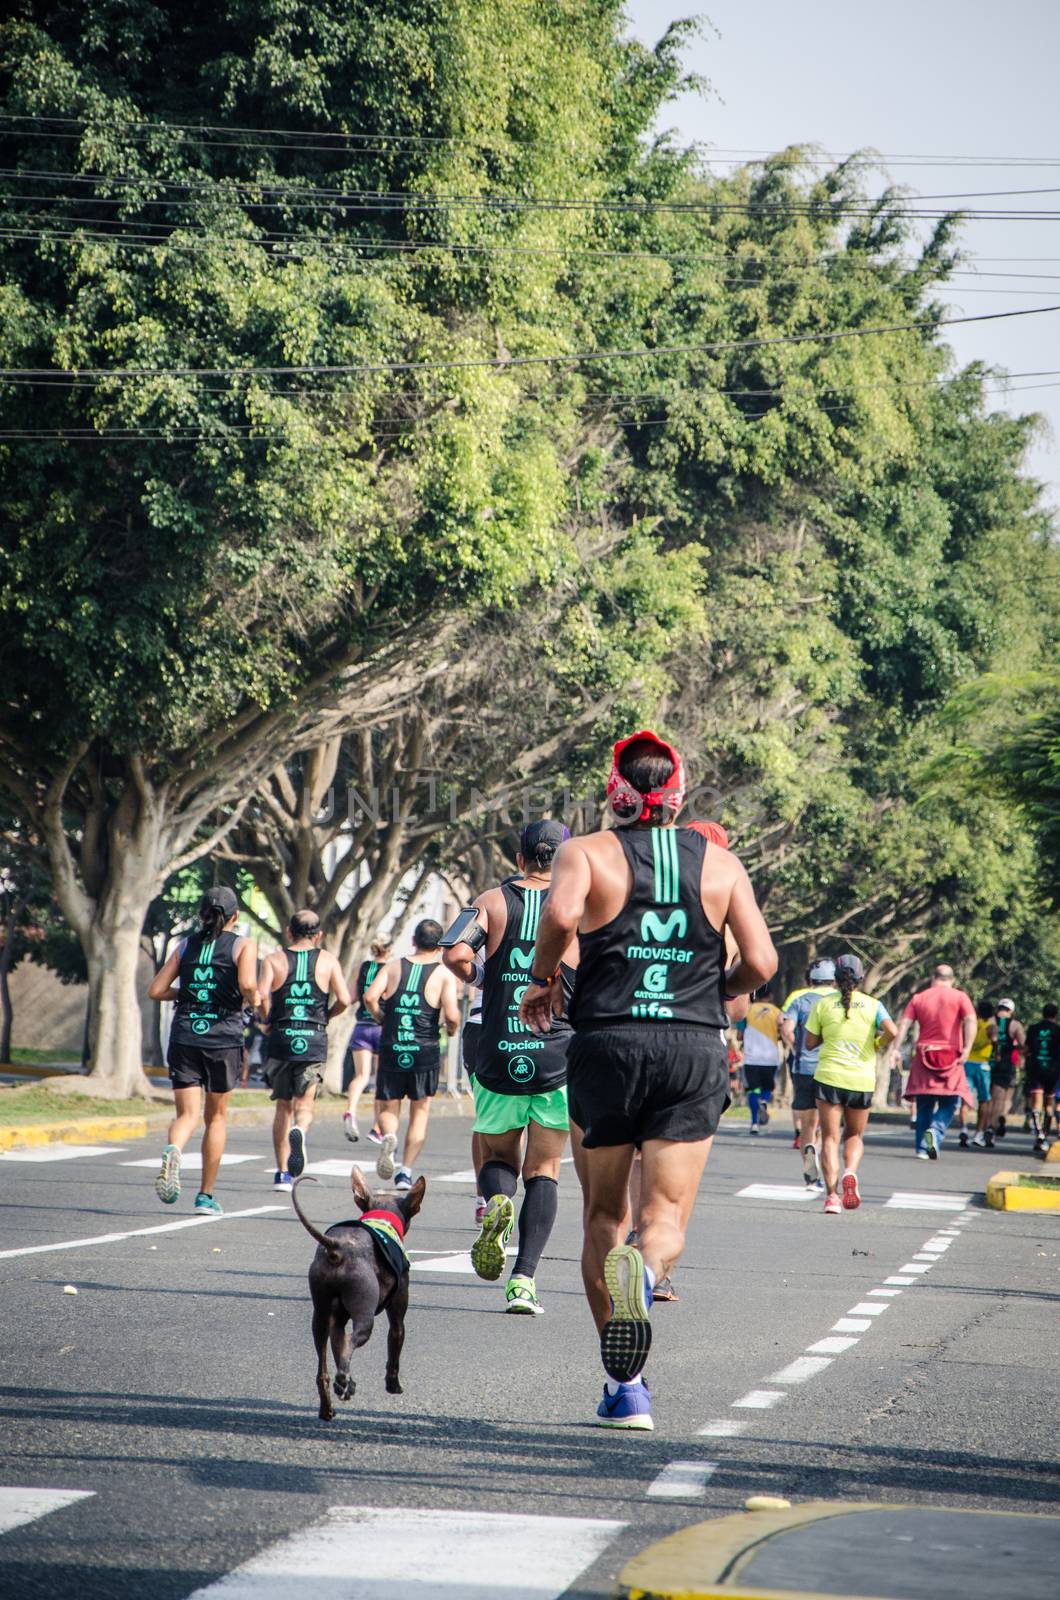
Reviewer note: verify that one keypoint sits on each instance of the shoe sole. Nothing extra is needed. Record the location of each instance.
(628, 1424)
(385, 1165)
(809, 1165)
(523, 1308)
(930, 1146)
(851, 1197)
(167, 1184)
(296, 1154)
(487, 1252)
(352, 1135)
(625, 1341)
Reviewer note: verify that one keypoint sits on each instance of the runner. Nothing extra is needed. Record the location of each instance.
(820, 979)
(844, 1027)
(1008, 1038)
(647, 1065)
(977, 1071)
(469, 1042)
(218, 973)
(761, 1055)
(408, 997)
(363, 1048)
(944, 1017)
(520, 1078)
(295, 985)
(1043, 1073)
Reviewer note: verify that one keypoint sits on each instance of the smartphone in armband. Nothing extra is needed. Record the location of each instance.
(464, 929)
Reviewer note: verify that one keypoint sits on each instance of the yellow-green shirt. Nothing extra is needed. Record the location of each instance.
(848, 1043)
(983, 1046)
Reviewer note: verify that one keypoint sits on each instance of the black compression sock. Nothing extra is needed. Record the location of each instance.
(536, 1219)
(497, 1177)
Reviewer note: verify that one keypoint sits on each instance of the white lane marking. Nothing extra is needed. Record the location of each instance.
(759, 1399)
(368, 1553)
(191, 1161)
(724, 1428)
(866, 1308)
(134, 1233)
(467, 1176)
(925, 1255)
(334, 1168)
(913, 1200)
(851, 1325)
(776, 1191)
(19, 1506)
(887, 1294)
(948, 1233)
(459, 1261)
(683, 1480)
(801, 1369)
(916, 1266)
(64, 1152)
(829, 1347)
(897, 1278)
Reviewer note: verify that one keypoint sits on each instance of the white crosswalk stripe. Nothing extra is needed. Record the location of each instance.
(190, 1161)
(458, 1261)
(65, 1152)
(365, 1553)
(19, 1506)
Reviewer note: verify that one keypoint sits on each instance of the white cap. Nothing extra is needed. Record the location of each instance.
(1006, 1005)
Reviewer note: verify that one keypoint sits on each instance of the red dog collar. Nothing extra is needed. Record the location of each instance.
(386, 1216)
(628, 802)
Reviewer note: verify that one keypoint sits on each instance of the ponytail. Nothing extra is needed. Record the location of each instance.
(846, 983)
(212, 918)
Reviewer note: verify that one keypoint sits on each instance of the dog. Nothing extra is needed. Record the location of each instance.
(359, 1270)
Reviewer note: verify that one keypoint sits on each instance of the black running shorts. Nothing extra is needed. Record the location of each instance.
(216, 1071)
(1046, 1081)
(804, 1092)
(638, 1082)
(763, 1080)
(400, 1083)
(292, 1080)
(850, 1099)
(1003, 1076)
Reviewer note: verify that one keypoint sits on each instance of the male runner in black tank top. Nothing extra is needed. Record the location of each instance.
(410, 997)
(520, 1077)
(295, 985)
(218, 973)
(647, 1066)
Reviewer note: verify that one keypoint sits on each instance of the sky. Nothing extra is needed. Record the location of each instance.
(969, 84)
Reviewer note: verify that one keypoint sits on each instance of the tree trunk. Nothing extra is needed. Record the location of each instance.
(5, 988)
(117, 1026)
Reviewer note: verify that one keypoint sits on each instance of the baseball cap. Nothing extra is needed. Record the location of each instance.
(1006, 1005)
(547, 831)
(822, 970)
(222, 897)
(850, 963)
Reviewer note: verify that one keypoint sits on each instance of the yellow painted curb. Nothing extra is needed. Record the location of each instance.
(18, 1069)
(704, 1562)
(30, 1135)
(1004, 1192)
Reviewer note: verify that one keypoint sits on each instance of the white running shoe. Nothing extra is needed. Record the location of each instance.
(811, 1170)
(385, 1163)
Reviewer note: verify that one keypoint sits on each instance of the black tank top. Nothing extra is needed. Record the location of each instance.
(510, 1059)
(210, 1008)
(659, 960)
(409, 1039)
(1001, 1055)
(299, 1012)
(365, 975)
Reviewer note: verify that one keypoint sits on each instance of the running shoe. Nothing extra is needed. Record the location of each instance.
(931, 1145)
(374, 1136)
(350, 1128)
(796, 1143)
(664, 1289)
(403, 1178)
(1002, 1127)
(385, 1165)
(296, 1153)
(1041, 1145)
(962, 1139)
(480, 1210)
(833, 1206)
(626, 1340)
(755, 1127)
(851, 1192)
(206, 1203)
(521, 1295)
(167, 1184)
(282, 1180)
(810, 1169)
(763, 1115)
(629, 1408)
(988, 1139)
(487, 1252)
(922, 1155)
(979, 1141)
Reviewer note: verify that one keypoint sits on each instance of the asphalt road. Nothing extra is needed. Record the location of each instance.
(175, 1391)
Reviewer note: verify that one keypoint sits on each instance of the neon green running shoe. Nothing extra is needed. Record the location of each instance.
(521, 1295)
(167, 1184)
(487, 1252)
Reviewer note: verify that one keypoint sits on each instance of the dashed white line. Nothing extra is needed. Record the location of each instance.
(724, 1428)
(802, 1369)
(134, 1233)
(887, 1294)
(897, 1278)
(64, 1152)
(19, 1506)
(682, 1480)
(830, 1346)
(916, 1266)
(759, 1399)
(866, 1308)
(851, 1325)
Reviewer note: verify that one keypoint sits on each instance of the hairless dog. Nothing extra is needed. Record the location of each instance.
(359, 1270)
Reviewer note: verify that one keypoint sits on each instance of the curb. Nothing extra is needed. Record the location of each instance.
(102, 1130)
(1005, 1192)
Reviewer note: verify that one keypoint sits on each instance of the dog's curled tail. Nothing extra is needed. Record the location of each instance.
(333, 1250)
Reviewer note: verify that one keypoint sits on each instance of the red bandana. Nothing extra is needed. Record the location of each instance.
(627, 802)
(386, 1216)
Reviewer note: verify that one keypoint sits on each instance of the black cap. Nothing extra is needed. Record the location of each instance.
(222, 897)
(547, 831)
(850, 963)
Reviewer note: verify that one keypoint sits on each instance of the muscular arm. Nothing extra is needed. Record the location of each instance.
(787, 1032)
(560, 915)
(377, 992)
(967, 1037)
(267, 985)
(163, 980)
(247, 972)
(449, 1004)
(461, 958)
(757, 958)
(337, 987)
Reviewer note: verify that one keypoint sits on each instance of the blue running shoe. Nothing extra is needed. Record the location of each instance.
(296, 1153)
(629, 1408)
(206, 1205)
(626, 1340)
